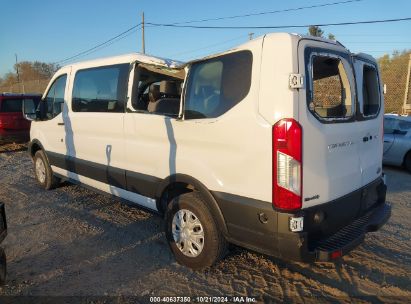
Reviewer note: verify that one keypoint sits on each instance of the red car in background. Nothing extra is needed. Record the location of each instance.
(13, 126)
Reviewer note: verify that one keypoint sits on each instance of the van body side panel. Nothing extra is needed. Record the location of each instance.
(95, 138)
(229, 153)
(279, 60)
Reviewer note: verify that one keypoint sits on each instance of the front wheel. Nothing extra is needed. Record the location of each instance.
(43, 172)
(192, 233)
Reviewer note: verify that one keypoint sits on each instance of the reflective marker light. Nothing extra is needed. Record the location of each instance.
(336, 254)
(287, 164)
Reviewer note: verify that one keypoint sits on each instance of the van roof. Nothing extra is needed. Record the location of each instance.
(130, 58)
(169, 63)
(271, 36)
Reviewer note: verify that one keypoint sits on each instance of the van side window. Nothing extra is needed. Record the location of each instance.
(331, 96)
(102, 89)
(157, 90)
(216, 85)
(370, 91)
(55, 97)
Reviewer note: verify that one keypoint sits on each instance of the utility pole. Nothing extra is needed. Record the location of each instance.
(18, 75)
(144, 42)
(250, 36)
(17, 70)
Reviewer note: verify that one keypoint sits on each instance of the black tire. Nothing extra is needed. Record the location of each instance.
(3, 266)
(46, 179)
(214, 244)
(407, 161)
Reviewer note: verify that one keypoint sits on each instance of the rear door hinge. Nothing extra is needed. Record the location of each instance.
(296, 81)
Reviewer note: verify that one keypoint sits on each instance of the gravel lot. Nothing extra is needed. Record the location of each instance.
(74, 242)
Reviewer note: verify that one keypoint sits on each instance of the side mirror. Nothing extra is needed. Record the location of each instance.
(29, 109)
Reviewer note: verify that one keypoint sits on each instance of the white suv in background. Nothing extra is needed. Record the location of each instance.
(275, 145)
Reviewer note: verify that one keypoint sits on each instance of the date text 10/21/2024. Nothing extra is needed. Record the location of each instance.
(204, 299)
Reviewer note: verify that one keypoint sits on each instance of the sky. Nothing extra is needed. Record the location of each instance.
(52, 30)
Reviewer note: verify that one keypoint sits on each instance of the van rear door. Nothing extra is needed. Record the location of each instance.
(370, 116)
(327, 114)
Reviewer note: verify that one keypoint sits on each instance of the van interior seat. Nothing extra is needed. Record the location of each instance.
(168, 88)
(169, 102)
(153, 96)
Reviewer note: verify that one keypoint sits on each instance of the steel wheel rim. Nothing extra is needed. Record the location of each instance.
(188, 233)
(40, 170)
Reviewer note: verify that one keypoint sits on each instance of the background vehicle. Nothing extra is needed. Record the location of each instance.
(397, 140)
(275, 145)
(13, 126)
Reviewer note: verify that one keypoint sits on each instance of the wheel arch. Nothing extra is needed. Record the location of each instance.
(406, 155)
(34, 146)
(185, 183)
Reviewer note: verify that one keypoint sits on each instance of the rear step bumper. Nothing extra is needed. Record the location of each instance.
(352, 235)
(329, 230)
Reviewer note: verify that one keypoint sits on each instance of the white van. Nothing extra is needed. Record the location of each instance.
(275, 145)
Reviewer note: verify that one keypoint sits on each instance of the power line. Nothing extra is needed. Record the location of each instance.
(267, 13)
(209, 46)
(100, 45)
(280, 26)
(107, 45)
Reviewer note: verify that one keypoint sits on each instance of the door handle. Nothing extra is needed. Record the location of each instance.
(60, 123)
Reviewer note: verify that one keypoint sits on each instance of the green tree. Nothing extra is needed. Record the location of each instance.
(315, 31)
(394, 75)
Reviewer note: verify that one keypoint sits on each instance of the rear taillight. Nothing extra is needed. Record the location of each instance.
(287, 164)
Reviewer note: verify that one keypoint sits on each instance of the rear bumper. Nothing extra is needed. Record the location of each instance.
(345, 222)
(301, 248)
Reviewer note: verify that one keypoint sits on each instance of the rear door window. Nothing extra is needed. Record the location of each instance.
(370, 91)
(11, 105)
(330, 96)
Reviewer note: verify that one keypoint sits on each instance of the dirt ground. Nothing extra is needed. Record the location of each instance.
(73, 242)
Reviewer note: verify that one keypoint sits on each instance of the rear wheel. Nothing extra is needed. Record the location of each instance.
(407, 161)
(192, 233)
(44, 174)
